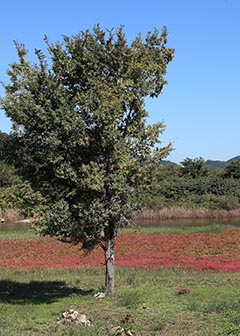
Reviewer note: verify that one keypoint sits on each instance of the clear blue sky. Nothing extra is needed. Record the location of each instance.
(200, 105)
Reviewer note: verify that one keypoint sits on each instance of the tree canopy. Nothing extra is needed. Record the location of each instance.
(194, 167)
(232, 169)
(4, 139)
(80, 130)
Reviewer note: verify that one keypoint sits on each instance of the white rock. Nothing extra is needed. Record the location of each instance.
(99, 295)
(117, 330)
(130, 333)
(74, 316)
(64, 314)
(82, 319)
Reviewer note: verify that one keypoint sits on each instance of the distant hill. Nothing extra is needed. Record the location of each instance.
(213, 164)
(220, 164)
(167, 163)
(236, 158)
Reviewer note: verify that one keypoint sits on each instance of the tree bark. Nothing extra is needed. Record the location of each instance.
(109, 262)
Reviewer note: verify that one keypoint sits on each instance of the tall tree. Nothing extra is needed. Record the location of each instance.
(81, 133)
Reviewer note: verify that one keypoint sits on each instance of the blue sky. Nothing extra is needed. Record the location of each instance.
(200, 105)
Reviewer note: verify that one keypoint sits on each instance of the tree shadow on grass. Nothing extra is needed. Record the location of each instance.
(37, 292)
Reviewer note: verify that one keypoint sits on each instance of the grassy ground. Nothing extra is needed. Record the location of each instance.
(213, 228)
(147, 302)
(157, 302)
(17, 234)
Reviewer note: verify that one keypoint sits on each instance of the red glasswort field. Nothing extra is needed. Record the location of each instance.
(136, 250)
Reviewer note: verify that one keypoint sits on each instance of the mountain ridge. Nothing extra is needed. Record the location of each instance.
(218, 164)
(213, 164)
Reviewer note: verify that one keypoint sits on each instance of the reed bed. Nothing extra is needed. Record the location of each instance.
(182, 212)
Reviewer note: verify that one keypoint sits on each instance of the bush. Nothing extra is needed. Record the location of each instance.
(21, 198)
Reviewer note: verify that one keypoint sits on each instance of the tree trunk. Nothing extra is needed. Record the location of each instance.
(109, 262)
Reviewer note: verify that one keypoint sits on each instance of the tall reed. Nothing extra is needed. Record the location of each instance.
(182, 212)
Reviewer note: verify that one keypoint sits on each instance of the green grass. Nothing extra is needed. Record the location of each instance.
(17, 234)
(213, 228)
(148, 302)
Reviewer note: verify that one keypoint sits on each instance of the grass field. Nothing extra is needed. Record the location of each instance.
(167, 301)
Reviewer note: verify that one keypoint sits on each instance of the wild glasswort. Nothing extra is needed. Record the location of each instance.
(208, 251)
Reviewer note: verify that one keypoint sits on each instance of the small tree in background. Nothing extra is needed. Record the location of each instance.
(194, 167)
(232, 170)
(80, 131)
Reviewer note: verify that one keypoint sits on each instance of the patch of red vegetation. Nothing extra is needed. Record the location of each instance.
(198, 250)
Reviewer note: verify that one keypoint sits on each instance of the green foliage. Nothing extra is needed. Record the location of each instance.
(79, 127)
(4, 138)
(232, 170)
(20, 197)
(194, 167)
(208, 189)
(8, 175)
(15, 193)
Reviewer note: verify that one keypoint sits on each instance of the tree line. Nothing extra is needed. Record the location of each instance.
(189, 184)
(193, 185)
